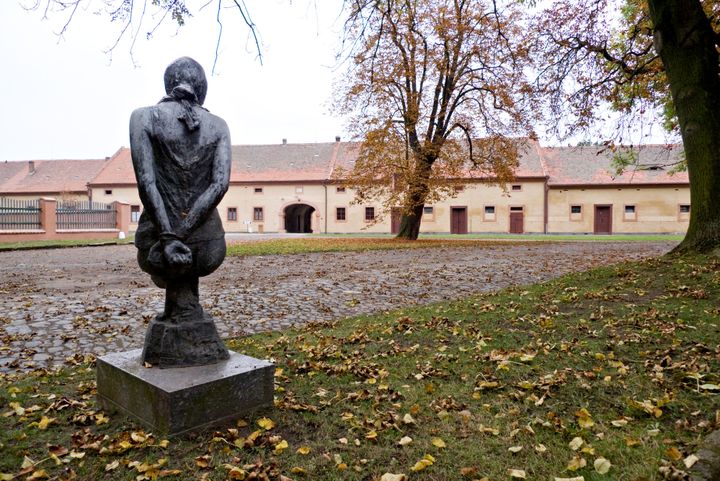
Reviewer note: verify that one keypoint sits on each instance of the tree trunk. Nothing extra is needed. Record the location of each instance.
(685, 41)
(415, 200)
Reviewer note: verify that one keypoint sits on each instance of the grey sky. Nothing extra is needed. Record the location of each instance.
(65, 98)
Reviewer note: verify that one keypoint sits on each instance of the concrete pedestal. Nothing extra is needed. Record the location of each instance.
(178, 400)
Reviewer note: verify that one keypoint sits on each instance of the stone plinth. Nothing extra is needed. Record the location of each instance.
(178, 400)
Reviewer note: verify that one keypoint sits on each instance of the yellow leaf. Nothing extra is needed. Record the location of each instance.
(303, 450)
(577, 478)
(266, 423)
(408, 419)
(405, 440)
(44, 423)
(6, 477)
(576, 443)
(618, 423)
(576, 463)
(236, 473)
(426, 461)
(100, 418)
(516, 473)
(27, 463)
(674, 454)
(584, 418)
(113, 465)
(39, 474)
(298, 470)
(164, 443)
(371, 435)
(393, 477)
(690, 461)
(602, 465)
(77, 454)
(515, 449)
(438, 443)
(281, 446)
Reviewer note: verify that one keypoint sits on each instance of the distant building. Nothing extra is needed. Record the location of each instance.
(292, 188)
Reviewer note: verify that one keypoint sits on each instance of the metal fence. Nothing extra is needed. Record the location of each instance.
(19, 214)
(85, 215)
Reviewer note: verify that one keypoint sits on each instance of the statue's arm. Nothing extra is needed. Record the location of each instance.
(143, 160)
(208, 200)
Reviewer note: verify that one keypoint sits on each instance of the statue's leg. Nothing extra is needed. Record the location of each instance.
(184, 335)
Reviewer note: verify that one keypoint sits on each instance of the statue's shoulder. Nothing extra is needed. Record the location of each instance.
(218, 124)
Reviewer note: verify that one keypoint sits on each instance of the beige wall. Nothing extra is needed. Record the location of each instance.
(657, 209)
(127, 194)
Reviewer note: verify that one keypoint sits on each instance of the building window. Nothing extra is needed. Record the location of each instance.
(428, 210)
(232, 213)
(340, 213)
(108, 191)
(340, 190)
(258, 214)
(630, 213)
(299, 189)
(489, 213)
(369, 213)
(134, 214)
(516, 187)
(258, 190)
(459, 188)
(576, 209)
(516, 209)
(684, 208)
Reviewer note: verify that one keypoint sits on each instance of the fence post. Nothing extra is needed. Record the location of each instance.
(122, 216)
(48, 215)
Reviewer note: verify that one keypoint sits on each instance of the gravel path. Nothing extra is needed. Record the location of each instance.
(63, 302)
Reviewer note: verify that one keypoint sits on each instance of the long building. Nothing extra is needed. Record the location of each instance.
(289, 187)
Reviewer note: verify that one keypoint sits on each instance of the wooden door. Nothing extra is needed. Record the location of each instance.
(516, 220)
(395, 217)
(603, 219)
(458, 220)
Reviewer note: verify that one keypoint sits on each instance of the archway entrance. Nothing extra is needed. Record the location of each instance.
(298, 218)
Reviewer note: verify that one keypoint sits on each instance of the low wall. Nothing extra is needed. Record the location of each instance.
(49, 231)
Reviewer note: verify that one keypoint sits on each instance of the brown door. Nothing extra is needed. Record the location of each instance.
(603, 219)
(458, 220)
(395, 217)
(516, 220)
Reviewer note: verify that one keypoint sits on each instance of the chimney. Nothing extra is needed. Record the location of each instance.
(31, 166)
(284, 141)
(337, 138)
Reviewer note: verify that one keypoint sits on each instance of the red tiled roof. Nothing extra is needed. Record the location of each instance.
(118, 170)
(592, 165)
(48, 176)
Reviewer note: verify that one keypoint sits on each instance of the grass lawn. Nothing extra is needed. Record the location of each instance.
(57, 244)
(614, 371)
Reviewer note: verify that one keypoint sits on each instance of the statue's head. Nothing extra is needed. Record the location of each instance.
(188, 74)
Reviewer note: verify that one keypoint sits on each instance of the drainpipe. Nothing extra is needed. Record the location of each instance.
(545, 208)
(326, 211)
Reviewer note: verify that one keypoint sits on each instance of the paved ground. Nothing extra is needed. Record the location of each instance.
(58, 303)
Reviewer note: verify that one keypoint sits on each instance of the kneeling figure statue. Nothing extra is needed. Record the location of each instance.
(181, 156)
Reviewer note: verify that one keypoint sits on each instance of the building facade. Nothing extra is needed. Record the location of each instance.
(293, 188)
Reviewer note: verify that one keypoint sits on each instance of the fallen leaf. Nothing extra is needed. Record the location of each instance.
(303, 450)
(281, 446)
(516, 473)
(266, 423)
(515, 449)
(405, 440)
(438, 443)
(408, 419)
(690, 461)
(114, 465)
(576, 443)
(602, 465)
(393, 477)
(426, 461)
(576, 463)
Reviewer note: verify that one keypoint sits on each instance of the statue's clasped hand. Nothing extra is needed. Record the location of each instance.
(170, 253)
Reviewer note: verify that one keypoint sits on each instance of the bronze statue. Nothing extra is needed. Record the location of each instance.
(181, 156)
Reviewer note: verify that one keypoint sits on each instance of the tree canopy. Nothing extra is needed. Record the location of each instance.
(427, 79)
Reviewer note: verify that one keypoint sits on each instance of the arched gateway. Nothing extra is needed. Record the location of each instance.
(298, 218)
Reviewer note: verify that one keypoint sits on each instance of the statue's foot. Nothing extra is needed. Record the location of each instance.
(184, 344)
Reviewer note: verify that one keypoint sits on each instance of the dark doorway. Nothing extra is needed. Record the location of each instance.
(516, 220)
(603, 219)
(395, 218)
(298, 218)
(458, 220)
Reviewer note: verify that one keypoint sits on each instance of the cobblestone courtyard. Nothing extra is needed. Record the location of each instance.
(58, 303)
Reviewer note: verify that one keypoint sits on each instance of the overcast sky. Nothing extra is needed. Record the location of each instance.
(67, 98)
